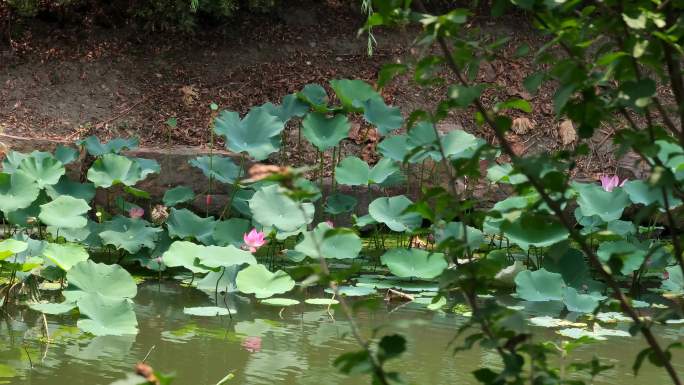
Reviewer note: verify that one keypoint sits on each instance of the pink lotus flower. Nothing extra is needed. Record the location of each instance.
(610, 182)
(136, 212)
(254, 240)
(252, 344)
(330, 223)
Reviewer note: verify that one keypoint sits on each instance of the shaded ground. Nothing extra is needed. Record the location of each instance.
(57, 83)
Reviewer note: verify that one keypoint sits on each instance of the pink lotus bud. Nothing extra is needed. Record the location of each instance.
(330, 223)
(136, 212)
(252, 344)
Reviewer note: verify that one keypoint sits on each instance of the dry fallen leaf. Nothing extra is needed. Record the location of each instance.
(189, 94)
(567, 133)
(522, 125)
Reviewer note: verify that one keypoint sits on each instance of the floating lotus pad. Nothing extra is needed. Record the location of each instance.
(208, 311)
(257, 280)
(322, 301)
(280, 302)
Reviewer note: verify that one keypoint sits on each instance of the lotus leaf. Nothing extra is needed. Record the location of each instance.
(43, 168)
(391, 212)
(353, 291)
(640, 192)
(631, 255)
(257, 280)
(386, 119)
(65, 255)
(106, 315)
(65, 212)
(133, 237)
(17, 191)
(458, 144)
(66, 154)
(178, 195)
(539, 285)
(338, 244)
(454, 231)
(216, 256)
(89, 277)
(184, 223)
(675, 280)
(598, 333)
(231, 232)
(352, 171)
(593, 200)
(352, 93)
(271, 208)
(537, 230)
(280, 302)
(315, 95)
(339, 203)
(220, 168)
(111, 169)
(321, 301)
(257, 134)
(182, 253)
(582, 303)
(65, 186)
(414, 263)
(394, 147)
(325, 132)
(53, 308)
(9, 247)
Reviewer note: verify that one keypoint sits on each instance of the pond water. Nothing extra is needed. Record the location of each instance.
(298, 346)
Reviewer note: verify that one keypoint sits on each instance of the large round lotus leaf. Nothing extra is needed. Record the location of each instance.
(106, 315)
(66, 154)
(598, 333)
(147, 166)
(352, 93)
(503, 173)
(531, 229)
(207, 311)
(177, 195)
(231, 232)
(65, 255)
(421, 141)
(672, 156)
(216, 256)
(640, 192)
(43, 168)
(321, 301)
(219, 168)
(352, 171)
(630, 254)
(256, 134)
(290, 107)
(17, 191)
(9, 247)
(581, 303)
(339, 244)
(224, 280)
(114, 146)
(65, 212)
(108, 280)
(270, 207)
(383, 117)
(280, 302)
(186, 224)
(539, 285)
(340, 203)
(593, 200)
(133, 237)
(394, 147)
(569, 263)
(65, 186)
(25, 217)
(11, 162)
(53, 308)
(257, 280)
(458, 144)
(182, 253)
(390, 211)
(113, 169)
(675, 280)
(417, 263)
(315, 95)
(324, 132)
(453, 231)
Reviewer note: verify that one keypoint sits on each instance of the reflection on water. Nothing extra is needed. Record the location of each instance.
(298, 348)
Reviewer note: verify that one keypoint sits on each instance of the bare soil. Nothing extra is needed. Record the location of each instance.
(63, 83)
